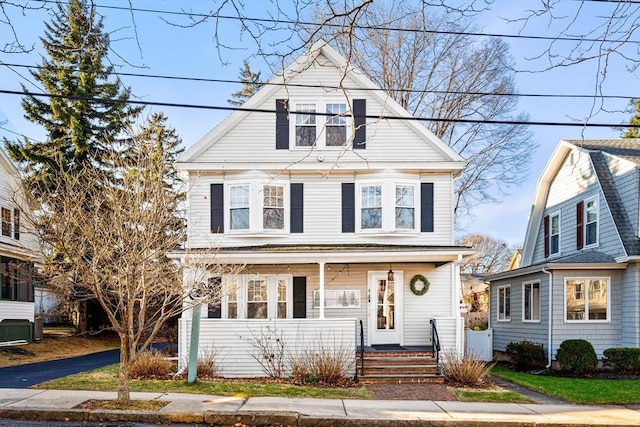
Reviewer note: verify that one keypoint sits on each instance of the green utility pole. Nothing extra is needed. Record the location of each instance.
(194, 344)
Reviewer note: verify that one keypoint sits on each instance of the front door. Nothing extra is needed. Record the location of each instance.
(385, 317)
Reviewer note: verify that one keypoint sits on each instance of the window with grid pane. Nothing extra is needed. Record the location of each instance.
(6, 222)
(239, 207)
(305, 125)
(336, 127)
(591, 223)
(282, 299)
(232, 299)
(257, 294)
(273, 207)
(405, 209)
(371, 207)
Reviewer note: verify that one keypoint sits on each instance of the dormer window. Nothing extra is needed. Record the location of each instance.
(591, 222)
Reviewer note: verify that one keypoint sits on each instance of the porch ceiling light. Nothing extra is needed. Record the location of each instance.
(390, 276)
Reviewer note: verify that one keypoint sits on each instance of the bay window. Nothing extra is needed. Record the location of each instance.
(273, 207)
(387, 207)
(239, 207)
(405, 210)
(371, 207)
(247, 296)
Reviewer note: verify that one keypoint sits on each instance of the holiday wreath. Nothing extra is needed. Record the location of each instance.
(425, 284)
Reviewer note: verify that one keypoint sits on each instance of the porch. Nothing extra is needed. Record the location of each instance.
(247, 347)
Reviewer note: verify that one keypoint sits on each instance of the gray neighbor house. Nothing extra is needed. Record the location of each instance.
(579, 275)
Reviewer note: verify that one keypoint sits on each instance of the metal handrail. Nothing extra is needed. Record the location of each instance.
(435, 341)
(361, 350)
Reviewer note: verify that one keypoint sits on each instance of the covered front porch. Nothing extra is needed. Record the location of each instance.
(340, 297)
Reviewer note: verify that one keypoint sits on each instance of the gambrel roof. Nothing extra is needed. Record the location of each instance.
(191, 158)
(625, 149)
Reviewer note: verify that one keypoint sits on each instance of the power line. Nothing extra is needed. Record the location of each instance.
(269, 111)
(362, 27)
(440, 92)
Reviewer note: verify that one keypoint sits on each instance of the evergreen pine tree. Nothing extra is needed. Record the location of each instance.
(634, 132)
(86, 111)
(250, 85)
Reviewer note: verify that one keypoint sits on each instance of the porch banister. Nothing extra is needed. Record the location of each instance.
(321, 275)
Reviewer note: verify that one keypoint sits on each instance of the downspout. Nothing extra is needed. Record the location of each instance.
(549, 351)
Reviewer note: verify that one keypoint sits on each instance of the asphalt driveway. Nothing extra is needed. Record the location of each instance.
(24, 376)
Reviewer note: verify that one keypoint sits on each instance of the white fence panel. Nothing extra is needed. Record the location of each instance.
(480, 344)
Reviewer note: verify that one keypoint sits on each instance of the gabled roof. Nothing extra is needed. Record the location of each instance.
(299, 65)
(624, 149)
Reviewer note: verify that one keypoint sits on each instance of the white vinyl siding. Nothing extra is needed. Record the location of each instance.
(322, 215)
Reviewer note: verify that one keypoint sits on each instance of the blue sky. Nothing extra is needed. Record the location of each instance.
(151, 46)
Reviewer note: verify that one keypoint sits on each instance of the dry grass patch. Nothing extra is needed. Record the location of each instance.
(53, 347)
(134, 405)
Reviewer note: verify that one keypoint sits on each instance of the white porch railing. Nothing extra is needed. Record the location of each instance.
(237, 343)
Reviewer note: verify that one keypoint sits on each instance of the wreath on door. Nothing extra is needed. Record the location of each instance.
(420, 289)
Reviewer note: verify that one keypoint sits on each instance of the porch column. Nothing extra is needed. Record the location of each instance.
(321, 281)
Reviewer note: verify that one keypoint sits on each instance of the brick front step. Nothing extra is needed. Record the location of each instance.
(399, 361)
(399, 370)
(401, 379)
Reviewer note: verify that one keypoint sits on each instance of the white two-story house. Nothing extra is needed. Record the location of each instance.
(336, 203)
(17, 256)
(579, 276)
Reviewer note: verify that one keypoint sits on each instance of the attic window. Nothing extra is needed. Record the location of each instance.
(305, 125)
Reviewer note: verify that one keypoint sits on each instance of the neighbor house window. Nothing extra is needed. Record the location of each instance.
(586, 299)
(504, 303)
(531, 301)
(6, 222)
(554, 234)
(16, 224)
(405, 209)
(239, 207)
(336, 127)
(371, 207)
(273, 207)
(591, 222)
(305, 125)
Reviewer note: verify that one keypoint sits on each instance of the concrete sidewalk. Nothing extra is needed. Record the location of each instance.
(59, 405)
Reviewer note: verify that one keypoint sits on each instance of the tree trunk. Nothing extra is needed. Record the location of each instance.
(124, 396)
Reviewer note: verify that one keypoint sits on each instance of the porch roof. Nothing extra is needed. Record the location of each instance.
(313, 254)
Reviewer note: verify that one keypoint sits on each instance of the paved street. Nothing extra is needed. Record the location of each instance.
(24, 376)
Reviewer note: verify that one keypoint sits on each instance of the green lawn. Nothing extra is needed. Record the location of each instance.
(105, 379)
(585, 391)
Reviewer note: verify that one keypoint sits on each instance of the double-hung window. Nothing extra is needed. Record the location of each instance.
(305, 125)
(504, 303)
(321, 125)
(273, 207)
(531, 302)
(586, 299)
(591, 222)
(405, 207)
(239, 202)
(336, 127)
(387, 207)
(371, 207)
(554, 234)
(6, 222)
(257, 303)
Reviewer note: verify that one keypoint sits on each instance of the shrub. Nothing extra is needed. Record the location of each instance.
(623, 359)
(526, 356)
(465, 371)
(269, 351)
(207, 367)
(322, 365)
(151, 364)
(577, 357)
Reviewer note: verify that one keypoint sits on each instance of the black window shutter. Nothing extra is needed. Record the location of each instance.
(214, 311)
(297, 208)
(348, 207)
(580, 225)
(359, 123)
(547, 246)
(217, 208)
(426, 207)
(299, 297)
(282, 124)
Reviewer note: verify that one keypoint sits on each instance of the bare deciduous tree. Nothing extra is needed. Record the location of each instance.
(491, 256)
(455, 81)
(109, 241)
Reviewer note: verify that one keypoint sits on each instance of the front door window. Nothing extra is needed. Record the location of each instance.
(385, 319)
